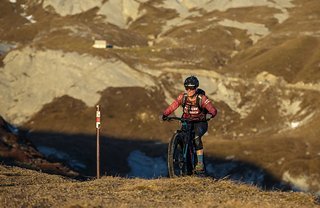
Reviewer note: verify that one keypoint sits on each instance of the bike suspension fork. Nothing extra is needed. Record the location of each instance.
(185, 151)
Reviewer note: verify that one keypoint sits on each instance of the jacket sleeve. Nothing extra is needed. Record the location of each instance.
(174, 105)
(207, 104)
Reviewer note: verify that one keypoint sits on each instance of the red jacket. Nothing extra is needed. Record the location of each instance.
(191, 109)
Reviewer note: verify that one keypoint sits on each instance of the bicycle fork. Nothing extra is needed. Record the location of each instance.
(189, 162)
(185, 152)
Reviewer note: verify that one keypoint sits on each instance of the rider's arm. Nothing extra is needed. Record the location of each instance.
(174, 105)
(207, 104)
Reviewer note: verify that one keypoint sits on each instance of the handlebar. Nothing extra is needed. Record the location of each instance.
(170, 118)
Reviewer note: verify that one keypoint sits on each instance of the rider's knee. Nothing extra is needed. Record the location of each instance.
(198, 143)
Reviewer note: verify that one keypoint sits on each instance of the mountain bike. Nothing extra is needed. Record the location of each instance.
(182, 157)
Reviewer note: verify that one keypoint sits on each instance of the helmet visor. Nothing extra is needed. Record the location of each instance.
(190, 87)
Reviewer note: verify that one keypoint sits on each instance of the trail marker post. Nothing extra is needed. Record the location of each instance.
(98, 139)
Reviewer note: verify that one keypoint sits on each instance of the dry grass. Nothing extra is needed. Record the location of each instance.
(25, 188)
(291, 51)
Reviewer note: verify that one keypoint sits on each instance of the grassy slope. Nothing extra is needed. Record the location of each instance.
(290, 51)
(284, 60)
(26, 188)
(279, 54)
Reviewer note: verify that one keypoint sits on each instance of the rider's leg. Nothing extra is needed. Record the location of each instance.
(200, 155)
(199, 148)
(200, 129)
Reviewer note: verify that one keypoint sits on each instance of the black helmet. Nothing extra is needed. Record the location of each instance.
(191, 82)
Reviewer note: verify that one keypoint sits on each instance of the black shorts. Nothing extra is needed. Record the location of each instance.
(200, 128)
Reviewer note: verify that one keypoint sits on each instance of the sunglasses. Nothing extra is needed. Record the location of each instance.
(190, 87)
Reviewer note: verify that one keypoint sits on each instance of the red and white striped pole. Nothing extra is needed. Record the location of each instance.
(98, 139)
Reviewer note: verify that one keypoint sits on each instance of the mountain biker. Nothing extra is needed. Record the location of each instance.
(197, 112)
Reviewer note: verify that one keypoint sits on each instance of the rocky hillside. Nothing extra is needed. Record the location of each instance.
(257, 60)
(16, 149)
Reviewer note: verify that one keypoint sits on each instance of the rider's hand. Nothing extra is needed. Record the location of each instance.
(164, 117)
(208, 116)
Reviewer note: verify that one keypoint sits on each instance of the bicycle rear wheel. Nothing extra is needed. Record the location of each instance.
(176, 163)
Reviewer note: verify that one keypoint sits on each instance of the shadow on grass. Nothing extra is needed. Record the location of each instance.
(78, 151)
(244, 172)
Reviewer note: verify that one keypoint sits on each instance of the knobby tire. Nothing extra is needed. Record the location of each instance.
(176, 166)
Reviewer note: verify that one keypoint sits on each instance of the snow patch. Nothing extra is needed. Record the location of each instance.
(289, 108)
(146, 167)
(238, 172)
(52, 152)
(220, 170)
(30, 19)
(294, 124)
(301, 182)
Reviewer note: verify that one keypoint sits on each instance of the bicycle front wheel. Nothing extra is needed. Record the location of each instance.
(176, 163)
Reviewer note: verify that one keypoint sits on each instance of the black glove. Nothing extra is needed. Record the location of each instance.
(164, 117)
(208, 116)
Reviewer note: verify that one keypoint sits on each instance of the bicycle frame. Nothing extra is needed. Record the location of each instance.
(184, 139)
(188, 128)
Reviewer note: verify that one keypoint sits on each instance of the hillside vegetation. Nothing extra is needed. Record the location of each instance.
(26, 188)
